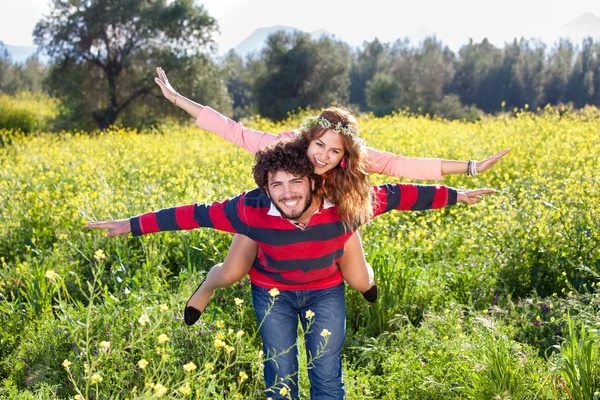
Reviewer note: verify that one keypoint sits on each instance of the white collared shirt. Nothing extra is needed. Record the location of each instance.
(274, 212)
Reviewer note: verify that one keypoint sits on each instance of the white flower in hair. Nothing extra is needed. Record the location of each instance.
(309, 122)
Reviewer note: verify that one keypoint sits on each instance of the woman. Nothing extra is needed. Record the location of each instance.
(339, 155)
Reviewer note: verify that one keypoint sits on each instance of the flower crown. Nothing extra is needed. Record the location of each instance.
(350, 130)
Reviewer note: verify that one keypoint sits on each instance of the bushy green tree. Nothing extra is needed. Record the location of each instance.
(558, 69)
(301, 72)
(104, 52)
(382, 94)
(423, 73)
(584, 83)
(374, 58)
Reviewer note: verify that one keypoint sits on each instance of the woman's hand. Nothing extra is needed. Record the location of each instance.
(488, 163)
(119, 227)
(472, 196)
(165, 86)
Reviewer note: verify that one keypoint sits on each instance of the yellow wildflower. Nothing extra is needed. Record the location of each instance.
(284, 391)
(99, 255)
(219, 343)
(160, 390)
(238, 396)
(325, 333)
(104, 345)
(238, 302)
(243, 376)
(162, 338)
(96, 378)
(163, 307)
(185, 390)
(143, 319)
(77, 397)
(309, 314)
(220, 324)
(66, 364)
(274, 292)
(50, 274)
(220, 336)
(142, 363)
(209, 366)
(229, 349)
(189, 367)
(239, 334)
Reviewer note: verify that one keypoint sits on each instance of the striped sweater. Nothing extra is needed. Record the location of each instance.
(290, 257)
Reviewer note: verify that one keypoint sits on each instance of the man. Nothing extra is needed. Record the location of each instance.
(300, 240)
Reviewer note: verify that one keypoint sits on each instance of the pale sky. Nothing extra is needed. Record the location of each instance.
(453, 21)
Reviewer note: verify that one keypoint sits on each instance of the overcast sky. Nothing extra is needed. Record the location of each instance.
(454, 21)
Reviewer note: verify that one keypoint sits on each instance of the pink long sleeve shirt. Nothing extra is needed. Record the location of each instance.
(380, 162)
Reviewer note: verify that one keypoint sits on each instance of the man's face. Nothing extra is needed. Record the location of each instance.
(290, 194)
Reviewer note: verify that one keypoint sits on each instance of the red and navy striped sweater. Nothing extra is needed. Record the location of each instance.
(290, 258)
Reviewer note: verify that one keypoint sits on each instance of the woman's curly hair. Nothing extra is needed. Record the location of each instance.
(348, 187)
(283, 155)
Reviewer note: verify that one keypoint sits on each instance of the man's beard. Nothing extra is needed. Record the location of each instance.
(307, 204)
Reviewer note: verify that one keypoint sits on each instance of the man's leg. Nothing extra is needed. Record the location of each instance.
(324, 341)
(279, 334)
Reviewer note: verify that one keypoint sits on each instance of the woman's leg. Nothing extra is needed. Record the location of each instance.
(355, 269)
(238, 262)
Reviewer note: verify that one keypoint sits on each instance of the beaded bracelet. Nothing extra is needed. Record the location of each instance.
(472, 168)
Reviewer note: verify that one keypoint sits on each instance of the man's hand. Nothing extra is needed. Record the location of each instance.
(472, 196)
(120, 227)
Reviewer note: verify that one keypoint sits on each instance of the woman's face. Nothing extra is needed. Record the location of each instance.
(326, 152)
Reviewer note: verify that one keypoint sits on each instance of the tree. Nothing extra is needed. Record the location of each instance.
(373, 59)
(300, 73)
(557, 72)
(584, 83)
(104, 51)
(239, 78)
(382, 94)
(476, 80)
(5, 68)
(423, 73)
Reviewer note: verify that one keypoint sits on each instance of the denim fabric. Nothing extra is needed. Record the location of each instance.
(279, 333)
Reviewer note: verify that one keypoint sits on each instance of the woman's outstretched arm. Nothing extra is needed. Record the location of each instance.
(386, 163)
(211, 120)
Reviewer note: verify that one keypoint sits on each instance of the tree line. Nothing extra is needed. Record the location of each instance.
(103, 55)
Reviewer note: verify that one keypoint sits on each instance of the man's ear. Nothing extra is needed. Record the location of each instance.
(266, 190)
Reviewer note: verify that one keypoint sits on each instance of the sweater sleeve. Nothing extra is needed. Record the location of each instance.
(405, 196)
(222, 216)
(235, 132)
(386, 163)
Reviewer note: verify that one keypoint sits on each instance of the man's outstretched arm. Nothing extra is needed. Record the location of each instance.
(403, 196)
(223, 216)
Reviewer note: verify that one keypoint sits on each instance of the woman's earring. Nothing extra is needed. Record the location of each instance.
(343, 163)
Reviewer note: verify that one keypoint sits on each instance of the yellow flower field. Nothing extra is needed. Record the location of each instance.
(461, 289)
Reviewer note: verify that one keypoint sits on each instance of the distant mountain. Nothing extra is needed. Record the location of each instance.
(585, 25)
(19, 54)
(257, 40)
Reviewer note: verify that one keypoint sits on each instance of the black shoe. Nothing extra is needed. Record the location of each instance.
(371, 294)
(191, 314)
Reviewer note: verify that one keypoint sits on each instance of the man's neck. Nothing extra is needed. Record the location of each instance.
(305, 217)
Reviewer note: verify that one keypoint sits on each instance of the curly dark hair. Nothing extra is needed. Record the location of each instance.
(284, 155)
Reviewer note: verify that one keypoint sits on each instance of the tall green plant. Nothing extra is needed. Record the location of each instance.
(577, 368)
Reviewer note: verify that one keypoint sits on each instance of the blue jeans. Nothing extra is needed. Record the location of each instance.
(279, 333)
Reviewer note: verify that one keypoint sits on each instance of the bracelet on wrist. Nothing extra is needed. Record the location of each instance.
(472, 168)
(174, 101)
